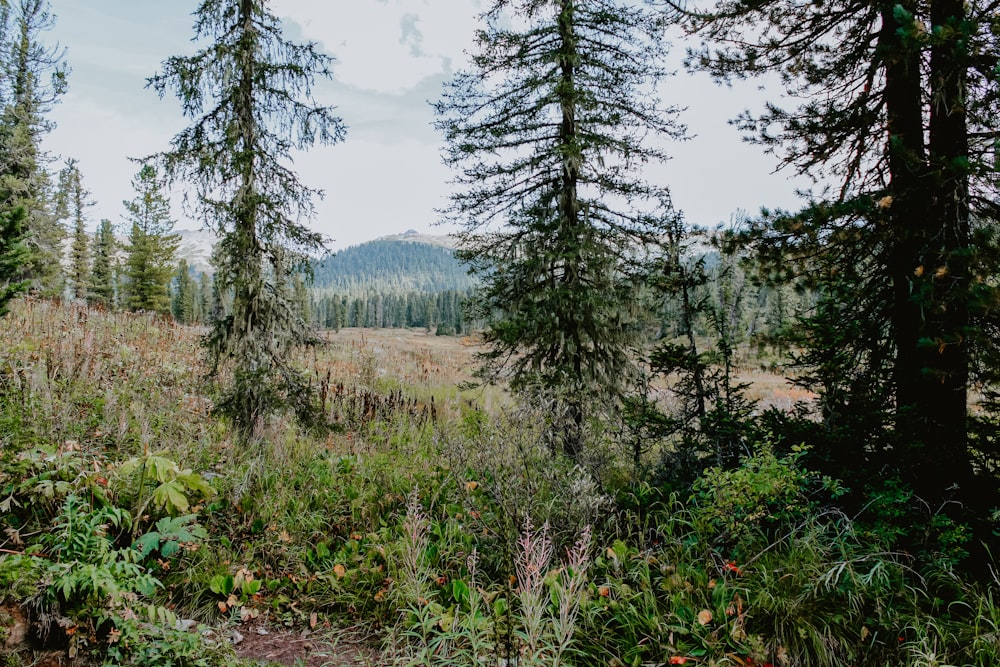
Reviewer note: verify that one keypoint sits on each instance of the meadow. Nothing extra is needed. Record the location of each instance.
(416, 523)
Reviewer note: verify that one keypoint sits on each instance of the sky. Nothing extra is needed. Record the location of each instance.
(392, 58)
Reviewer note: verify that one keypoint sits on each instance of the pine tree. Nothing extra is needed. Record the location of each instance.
(249, 93)
(204, 298)
(899, 105)
(149, 255)
(548, 132)
(13, 253)
(32, 77)
(102, 271)
(301, 296)
(77, 200)
(181, 294)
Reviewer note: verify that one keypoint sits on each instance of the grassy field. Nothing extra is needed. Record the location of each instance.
(419, 524)
(423, 360)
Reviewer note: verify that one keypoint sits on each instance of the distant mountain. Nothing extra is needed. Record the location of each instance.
(413, 236)
(408, 262)
(196, 247)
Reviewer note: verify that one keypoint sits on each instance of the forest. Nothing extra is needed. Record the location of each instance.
(624, 441)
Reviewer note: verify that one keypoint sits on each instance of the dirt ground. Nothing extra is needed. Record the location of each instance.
(304, 649)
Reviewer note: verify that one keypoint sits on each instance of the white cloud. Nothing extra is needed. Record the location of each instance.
(103, 139)
(392, 56)
(373, 189)
(387, 46)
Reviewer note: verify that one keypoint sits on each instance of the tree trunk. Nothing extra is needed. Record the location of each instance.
(569, 223)
(943, 468)
(929, 225)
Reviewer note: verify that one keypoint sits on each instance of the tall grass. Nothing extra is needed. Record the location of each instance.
(457, 538)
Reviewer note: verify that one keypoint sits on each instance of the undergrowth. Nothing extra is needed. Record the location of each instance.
(136, 532)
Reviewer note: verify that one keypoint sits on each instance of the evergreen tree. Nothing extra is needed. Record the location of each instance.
(899, 104)
(249, 93)
(220, 304)
(204, 298)
(102, 272)
(77, 200)
(13, 253)
(301, 296)
(182, 296)
(548, 131)
(149, 255)
(32, 77)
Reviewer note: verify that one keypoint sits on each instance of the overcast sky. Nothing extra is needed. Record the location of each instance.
(392, 57)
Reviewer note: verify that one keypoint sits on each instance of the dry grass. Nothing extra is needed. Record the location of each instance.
(425, 367)
(771, 390)
(105, 376)
(50, 348)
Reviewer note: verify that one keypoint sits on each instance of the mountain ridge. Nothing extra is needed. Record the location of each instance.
(395, 263)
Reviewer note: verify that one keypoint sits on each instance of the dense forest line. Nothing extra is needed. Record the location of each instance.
(391, 266)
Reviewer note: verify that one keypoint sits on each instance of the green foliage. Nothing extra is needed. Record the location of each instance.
(104, 268)
(391, 266)
(160, 483)
(461, 622)
(170, 535)
(899, 119)
(71, 190)
(747, 504)
(249, 95)
(385, 309)
(546, 132)
(33, 78)
(190, 299)
(149, 258)
(95, 592)
(412, 528)
(13, 254)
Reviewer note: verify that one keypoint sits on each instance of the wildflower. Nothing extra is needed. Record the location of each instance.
(731, 567)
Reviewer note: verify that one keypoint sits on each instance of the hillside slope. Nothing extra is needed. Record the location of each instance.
(392, 265)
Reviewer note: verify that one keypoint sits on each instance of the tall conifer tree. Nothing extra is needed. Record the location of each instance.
(248, 92)
(549, 131)
(77, 201)
(898, 108)
(102, 271)
(182, 294)
(149, 255)
(13, 254)
(32, 77)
